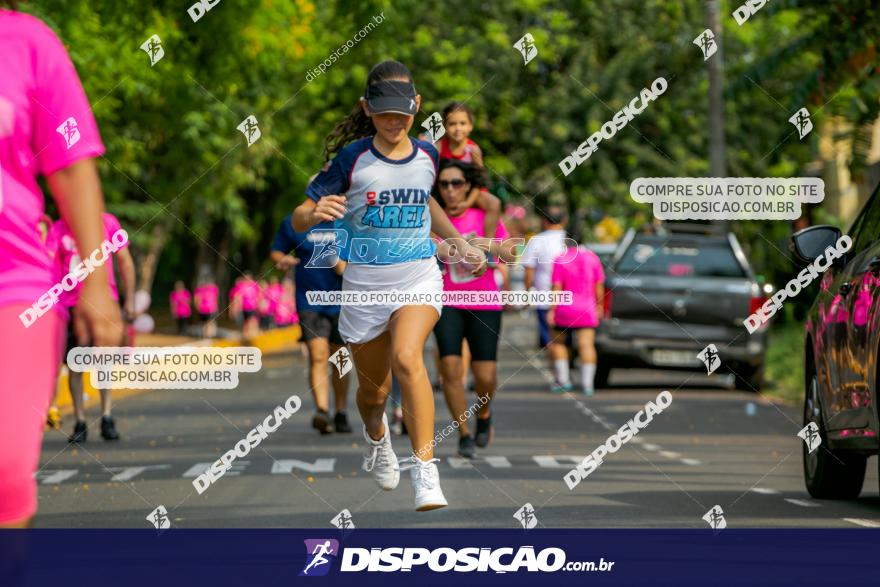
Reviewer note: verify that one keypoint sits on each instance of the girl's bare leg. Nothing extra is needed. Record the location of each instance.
(409, 329)
(373, 366)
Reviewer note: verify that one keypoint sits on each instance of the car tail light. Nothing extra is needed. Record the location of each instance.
(756, 303)
(606, 304)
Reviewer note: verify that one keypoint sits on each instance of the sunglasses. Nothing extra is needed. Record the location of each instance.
(455, 183)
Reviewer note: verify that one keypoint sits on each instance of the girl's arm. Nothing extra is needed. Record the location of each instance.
(310, 212)
(600, 300)
(442, 227)
(77, 192)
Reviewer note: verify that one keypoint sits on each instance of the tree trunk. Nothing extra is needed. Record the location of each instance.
(147, 268)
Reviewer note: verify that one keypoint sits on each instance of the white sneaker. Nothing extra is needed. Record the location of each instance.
(426, 484)
(381, 460)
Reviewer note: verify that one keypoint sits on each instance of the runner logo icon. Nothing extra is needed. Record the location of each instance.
(320, 554)
(801, 121)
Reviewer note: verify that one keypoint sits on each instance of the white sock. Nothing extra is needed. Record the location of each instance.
(561, 368)
(588, 372)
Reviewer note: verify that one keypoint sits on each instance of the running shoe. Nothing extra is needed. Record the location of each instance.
(80, 432)
(321, 422)
(588, 391)
(397, 422)
(108, 428)
(426, 483)
(53, 420)
(485, 432)
(340, 422)
(380, 459)
(559, 388)
(467, 448)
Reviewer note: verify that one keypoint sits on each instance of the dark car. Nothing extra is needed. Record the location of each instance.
(841, 344)
(671, 294)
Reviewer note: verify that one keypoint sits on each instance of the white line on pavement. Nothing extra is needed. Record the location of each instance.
(861, 522)
(802, 502)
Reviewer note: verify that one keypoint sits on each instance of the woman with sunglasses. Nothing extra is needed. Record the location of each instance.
(480, 324)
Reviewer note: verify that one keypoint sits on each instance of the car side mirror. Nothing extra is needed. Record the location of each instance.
(809, 243)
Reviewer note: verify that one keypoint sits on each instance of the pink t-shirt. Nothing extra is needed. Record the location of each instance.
(285, 311)
(60, 243)
(180, 303)
(206, 296)
(39, 92)
(457, 276)
(270, 298)
(249, 291)
(578, 270)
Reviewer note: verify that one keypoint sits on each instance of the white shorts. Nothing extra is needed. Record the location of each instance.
(359, 324)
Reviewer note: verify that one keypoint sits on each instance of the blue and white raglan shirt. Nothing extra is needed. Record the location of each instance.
(388, 220)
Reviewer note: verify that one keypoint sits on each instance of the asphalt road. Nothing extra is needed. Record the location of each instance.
(711, 446)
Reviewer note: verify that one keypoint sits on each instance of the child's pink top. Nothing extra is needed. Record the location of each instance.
(39, 92)
(457, 276)
(285, 311)
(180, 303)
(206, 296)
(60, 240)
(270, 298)
(578, 270)
(249, 290)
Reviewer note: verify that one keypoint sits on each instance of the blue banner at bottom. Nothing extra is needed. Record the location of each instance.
(207, 558)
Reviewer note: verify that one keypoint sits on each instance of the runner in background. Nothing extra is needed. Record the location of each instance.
(579, 271)
(319, 324)
(265, 308)
(537, 258)
(37, 77)
(480, 325)
(207, 298)
(249, 295)
(62, 246)
(181, 306)
(235, 303)
(285, 310)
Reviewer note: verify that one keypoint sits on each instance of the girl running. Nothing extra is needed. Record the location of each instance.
(378, 190)
(579, 271)
(41, 92)
(207, 296)
(181, 305)
(480, 325)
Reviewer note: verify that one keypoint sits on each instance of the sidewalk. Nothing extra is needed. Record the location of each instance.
(279, 340)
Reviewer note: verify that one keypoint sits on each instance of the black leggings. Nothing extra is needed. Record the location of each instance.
(481, 328)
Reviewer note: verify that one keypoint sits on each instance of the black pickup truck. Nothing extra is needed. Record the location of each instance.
(671, 293)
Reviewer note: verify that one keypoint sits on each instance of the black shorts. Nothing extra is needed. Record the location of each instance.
(481, 328)
(207, 317)
(317, 325)
(247, 314)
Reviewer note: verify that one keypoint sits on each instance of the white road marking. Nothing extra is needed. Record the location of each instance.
(551, 462)
(691, 462)
(802, 502)
(53, 477)
(669, 454)
(764, 491)
(861, 522)
(129, 473)
(496, 462)
(649, 446)
(285, 466)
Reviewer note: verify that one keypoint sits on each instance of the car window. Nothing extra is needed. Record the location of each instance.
(866, 228)
(680, 259)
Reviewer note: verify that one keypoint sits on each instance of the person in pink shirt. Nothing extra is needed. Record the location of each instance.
(249, 295)
(272, 296)
(285, 309)
(62, 246)
(46, 128)
(265, 305)
(181, 305)
(207, 296)
(579, 271)
(480, 325)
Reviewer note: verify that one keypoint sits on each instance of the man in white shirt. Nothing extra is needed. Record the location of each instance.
(538, 257)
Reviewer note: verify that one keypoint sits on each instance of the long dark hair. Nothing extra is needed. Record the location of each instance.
(473, 174)
(358, 125)
(458, 107)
